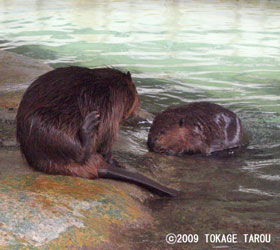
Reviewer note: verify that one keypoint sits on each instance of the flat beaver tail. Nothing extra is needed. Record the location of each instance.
(117, 173)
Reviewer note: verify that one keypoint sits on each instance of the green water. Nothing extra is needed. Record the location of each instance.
(224, 51)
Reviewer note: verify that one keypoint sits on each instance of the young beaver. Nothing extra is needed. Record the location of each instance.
(68, 120)
(199, 127)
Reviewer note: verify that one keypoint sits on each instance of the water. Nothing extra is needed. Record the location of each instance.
(178, 52)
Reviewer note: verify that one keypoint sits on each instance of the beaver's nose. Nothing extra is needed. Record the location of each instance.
(150, 143)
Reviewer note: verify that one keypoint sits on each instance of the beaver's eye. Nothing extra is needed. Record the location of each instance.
(162, 132)
(181, 122)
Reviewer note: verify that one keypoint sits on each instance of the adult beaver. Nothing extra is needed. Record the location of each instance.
(199, 127)
(68, 120)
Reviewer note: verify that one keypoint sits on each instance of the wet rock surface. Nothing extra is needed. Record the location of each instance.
(16, 73)
(57, 212)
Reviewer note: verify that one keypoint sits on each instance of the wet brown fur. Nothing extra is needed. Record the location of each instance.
(54, 108)
(199, 127)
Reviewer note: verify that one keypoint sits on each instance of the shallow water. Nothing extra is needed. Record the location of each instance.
(179, 51)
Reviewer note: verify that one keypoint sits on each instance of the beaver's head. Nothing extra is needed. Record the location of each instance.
(171, 134)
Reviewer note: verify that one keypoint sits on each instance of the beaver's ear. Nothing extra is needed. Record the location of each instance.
(128, 75)
(181, 122)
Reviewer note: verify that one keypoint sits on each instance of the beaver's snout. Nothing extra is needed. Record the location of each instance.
(151, 143)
